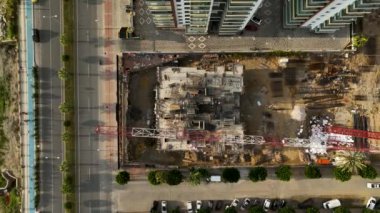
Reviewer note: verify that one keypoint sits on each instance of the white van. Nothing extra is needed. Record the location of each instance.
(331, 204)
(216, 178)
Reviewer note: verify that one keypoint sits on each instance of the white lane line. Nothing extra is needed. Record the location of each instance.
(88, 70)
(89, 173)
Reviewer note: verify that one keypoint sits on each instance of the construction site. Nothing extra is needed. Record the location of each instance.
(242, 110)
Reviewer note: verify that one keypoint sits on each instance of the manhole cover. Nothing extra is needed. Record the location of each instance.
(202, 45)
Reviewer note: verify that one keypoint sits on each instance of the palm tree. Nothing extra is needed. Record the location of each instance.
(350, 161)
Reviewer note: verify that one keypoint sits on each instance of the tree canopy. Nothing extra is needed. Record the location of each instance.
(368, 172)
(256, 209)
(231, 175)
(284, 172)
(341, 174)
(258, 174)
(312, 172)
(351, 162)
(312, 210)
(122, 177)
(341, 209)
(174, 177)
(197, 175)
(286, 209)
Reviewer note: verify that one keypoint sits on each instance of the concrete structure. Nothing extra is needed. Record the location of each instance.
(324, 16)
(199, 17)
(188, 98)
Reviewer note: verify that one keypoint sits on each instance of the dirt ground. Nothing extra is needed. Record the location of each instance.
(9, 70)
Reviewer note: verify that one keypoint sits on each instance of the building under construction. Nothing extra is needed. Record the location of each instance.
(188, 98)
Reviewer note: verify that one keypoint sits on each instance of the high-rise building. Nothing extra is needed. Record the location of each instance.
(197, 17)
(325, 16)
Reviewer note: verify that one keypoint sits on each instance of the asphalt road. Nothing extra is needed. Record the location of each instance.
(47, 19)
(93, 169)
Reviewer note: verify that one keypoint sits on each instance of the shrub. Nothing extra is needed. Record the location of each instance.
(231, 175)
(67, 123)
(258, 174)
(312, 172)
(341, 174)
(286, 209)
(359, 41)
(65, 57)
(174, 177)
(68, 185)
(341, 209)
(122, 178)
(312, 210)
(284, 172)
(368, 172)
(152, 178)
(68, 205)
(196, 175)
(256, 209)
(230, 210)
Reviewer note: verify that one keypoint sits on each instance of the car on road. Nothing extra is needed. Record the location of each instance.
(154, 206)
(278, 204)
(331, 204)
(246, 204)
(164, 208)
(36, 35)
(219, 205)
(371, 203)
(256, 20)
(373, 185)
(189, 207)
(199, 205)
(267, 205)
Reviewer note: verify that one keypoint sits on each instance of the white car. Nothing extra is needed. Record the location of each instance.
(371, 203)
(234, 203)
(189, 207)
(164, 208)
(267, 205)
(373, 185)
(331, 204)
(199, 205)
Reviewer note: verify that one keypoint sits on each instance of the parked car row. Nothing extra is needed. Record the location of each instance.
(246, 203)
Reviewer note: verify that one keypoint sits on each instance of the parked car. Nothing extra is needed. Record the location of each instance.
(210, 204)
(306, 204)
(189, 207)
(331, 204)
(373, 185)
(219, 205)
(234, 203)
(154, 206)
(199, 205)
(256, 20)
(277, 204)
(164, 208)
(246, 204)
(371, 203)
(267, 205)
(36, 35)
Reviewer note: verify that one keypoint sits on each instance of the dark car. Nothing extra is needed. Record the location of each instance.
(36, 35)
(210, 204)
(306, 204)
(278, 204)
(154, 207)
(219, 205)
(256, 20)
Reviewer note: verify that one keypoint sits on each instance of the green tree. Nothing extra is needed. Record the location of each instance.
(368, 172)
(365, 210)
(312, 172)
(68, 205)
(64, 166)
(256, 209)
(176, 210)
(341, 209)
(284, 172)
(174, 177)
(231, 175)
(66, 136)
(312, 210)
(359, 40)
(258, 174)
(65, 39)
(66, 107)
(152, 178)
(286, 209)
(230, 210)
(63, 73)
(65, 58)
(122, 177)
(341, 174)
(68, 185)
(350, 161)
(204, 210)
(197, 175)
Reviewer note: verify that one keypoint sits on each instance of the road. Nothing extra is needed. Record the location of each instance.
(96, 156)
(48, 19)
(137, 196)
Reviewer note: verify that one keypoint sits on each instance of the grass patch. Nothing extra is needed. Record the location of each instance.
(11, 16)
(68, 186)
(11, 203)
